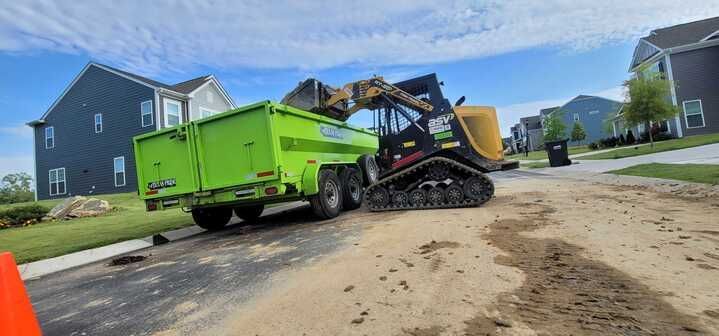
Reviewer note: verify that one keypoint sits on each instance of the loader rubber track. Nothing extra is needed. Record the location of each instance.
(390, 184)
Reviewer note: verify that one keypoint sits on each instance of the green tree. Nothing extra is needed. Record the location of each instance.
(578, 133)
(554, 127)
(16, 188)
(647, 101)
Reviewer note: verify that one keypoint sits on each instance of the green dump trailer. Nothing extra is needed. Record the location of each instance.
(244, 159)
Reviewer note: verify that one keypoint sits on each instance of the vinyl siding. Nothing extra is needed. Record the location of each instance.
(696, 75)
(594, 124)
(88, 156)
(200, 99)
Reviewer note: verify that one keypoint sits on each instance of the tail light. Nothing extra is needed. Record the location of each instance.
(151, 206)
(271, 190)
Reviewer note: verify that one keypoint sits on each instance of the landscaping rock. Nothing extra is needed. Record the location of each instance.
(91, 207)
(61, 210)
(79, 206)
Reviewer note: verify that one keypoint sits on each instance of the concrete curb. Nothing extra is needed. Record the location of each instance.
(47, 266)
(44, 267)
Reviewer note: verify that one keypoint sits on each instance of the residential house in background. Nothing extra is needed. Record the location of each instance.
(594, 113)
(531, 132)
(83, 142)
(515, 139)
(688, 55)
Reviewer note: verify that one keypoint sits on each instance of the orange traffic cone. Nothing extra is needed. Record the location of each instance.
(16, 315)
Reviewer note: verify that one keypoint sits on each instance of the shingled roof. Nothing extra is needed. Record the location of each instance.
(683, 34)
(190, 85)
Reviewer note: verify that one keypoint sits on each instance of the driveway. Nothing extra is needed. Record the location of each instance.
(212, 270)
(708, 154)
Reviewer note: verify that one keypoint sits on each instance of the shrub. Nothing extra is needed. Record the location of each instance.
(622, 140)
(22, 215)
(610, 142)
(593, 146)
(630, 138)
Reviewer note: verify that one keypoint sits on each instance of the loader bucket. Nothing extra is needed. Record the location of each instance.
(482, 129)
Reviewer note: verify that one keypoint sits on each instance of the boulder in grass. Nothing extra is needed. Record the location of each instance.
(61, 210)
(90, 207)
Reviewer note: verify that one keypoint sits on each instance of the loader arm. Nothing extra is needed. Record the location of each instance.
(372, 94)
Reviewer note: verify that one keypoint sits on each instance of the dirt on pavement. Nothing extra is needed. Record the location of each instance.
(545, 257)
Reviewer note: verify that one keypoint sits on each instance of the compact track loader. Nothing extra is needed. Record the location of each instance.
(431, 154)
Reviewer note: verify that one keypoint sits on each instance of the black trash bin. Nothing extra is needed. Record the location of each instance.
(557, 153)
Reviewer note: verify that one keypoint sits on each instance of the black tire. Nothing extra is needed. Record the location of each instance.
(212, 219)
(351, 188)
(370, 169)
(378, 197)
(327, 203)
(478, 188)
(400, 199)
(435, 195)
(454, 193)
(417, 197)
(249, 213)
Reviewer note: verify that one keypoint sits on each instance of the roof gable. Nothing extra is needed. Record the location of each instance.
(190, 85)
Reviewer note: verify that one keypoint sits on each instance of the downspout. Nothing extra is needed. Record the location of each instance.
(668, 61)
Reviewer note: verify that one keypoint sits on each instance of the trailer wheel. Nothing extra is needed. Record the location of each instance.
(212, 218)
(351, 188)
(327, 202)
(249, 213)
(370, 169)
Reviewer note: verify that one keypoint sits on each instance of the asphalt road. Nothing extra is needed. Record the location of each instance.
(212, 271)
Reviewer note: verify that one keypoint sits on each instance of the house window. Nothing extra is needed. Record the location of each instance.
(693, 113)
(204, 112)
(173, 113)
(119, 163)
(98, 123)
(57, 181)
(146, 113)
(576, 116)
(50, 137)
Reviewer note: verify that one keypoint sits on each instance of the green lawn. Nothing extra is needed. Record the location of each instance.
(686, 142)
(699, 173)
(542, 155)
(128, 221)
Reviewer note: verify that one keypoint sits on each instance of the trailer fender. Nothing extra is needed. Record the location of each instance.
(309, 179)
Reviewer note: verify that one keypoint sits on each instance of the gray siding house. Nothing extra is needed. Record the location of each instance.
(83, 142)
(594, 113)
(688, 55)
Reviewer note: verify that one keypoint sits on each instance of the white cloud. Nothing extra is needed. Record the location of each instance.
(21, 131)
(157, 36)
(510, 114)
(16, 164)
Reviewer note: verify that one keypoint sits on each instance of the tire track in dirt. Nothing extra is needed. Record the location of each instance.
(567, 294)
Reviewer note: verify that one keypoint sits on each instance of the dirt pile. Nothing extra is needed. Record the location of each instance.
(567, 293)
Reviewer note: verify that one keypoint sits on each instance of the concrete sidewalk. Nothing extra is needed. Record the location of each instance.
(576, 156)
(707, 154)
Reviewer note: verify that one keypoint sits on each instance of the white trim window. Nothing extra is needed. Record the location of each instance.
(173, 112)
(98, 123)
(56, 177)
(205, 112)
(576, 116)
(693, 113)
(119, 171)
(146, 113)
(49, 137)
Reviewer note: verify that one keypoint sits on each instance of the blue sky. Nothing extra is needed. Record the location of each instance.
(519, 56)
